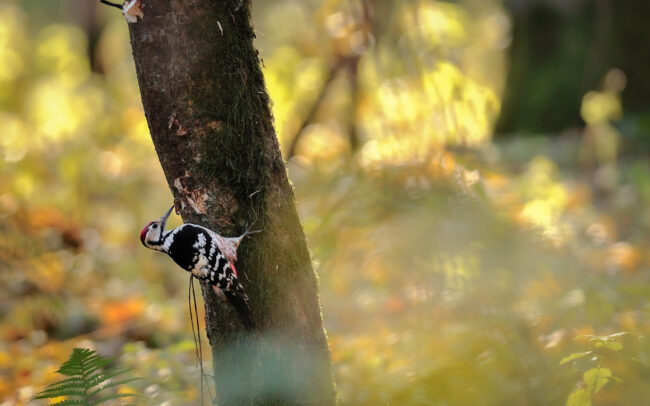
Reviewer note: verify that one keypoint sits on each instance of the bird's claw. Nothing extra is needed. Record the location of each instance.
(248, 230)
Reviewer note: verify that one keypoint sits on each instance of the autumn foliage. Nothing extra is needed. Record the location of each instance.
(455, 267)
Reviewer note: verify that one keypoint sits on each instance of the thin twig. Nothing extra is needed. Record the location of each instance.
(196, 345)
(350, 63)
(198, 333)
(189, 304)
(198, 330)
(355, 99)
(199, 347)
(315, 107)
(110, 3)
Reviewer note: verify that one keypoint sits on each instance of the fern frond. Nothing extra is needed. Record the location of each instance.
(111, 385)
(96, 364)
(67, 387)
(70, 402)
(72, 382)
(111, 397)
(49, 394)
(74, 365)
(102, 377)
(89, 380)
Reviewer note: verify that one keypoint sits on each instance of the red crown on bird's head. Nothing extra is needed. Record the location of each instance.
(143, 233)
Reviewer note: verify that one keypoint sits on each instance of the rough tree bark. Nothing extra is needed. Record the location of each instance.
(208, 113)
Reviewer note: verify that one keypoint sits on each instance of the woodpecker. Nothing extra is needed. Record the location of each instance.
(206, 254)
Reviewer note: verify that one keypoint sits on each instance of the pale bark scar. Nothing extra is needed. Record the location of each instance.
(215, 125)
(195, 198)
(132, 10)
(173, 121)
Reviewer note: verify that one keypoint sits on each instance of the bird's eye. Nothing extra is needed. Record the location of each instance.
(154, 226)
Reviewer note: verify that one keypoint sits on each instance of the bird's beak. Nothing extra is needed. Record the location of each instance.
(163, 219)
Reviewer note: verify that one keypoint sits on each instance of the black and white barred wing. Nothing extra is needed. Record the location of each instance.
(198, 250)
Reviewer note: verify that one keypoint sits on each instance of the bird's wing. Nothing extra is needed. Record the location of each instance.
(223, 276)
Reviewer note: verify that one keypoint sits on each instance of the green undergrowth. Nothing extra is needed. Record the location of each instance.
(91, 380)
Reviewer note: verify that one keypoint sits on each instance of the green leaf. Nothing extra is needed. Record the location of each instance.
(585, 363)
(575, 356)
(608, 341)
(596, 378)
(611, 344)
(579, 397)
(86, 369)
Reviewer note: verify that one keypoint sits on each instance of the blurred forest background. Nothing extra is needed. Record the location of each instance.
(472, 177)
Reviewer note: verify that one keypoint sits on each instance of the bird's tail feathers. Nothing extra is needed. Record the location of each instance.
(241, 305)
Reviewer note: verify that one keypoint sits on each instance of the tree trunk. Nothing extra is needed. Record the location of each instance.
(208, 113)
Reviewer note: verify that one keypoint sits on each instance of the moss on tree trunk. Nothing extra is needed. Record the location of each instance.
(208, 113)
